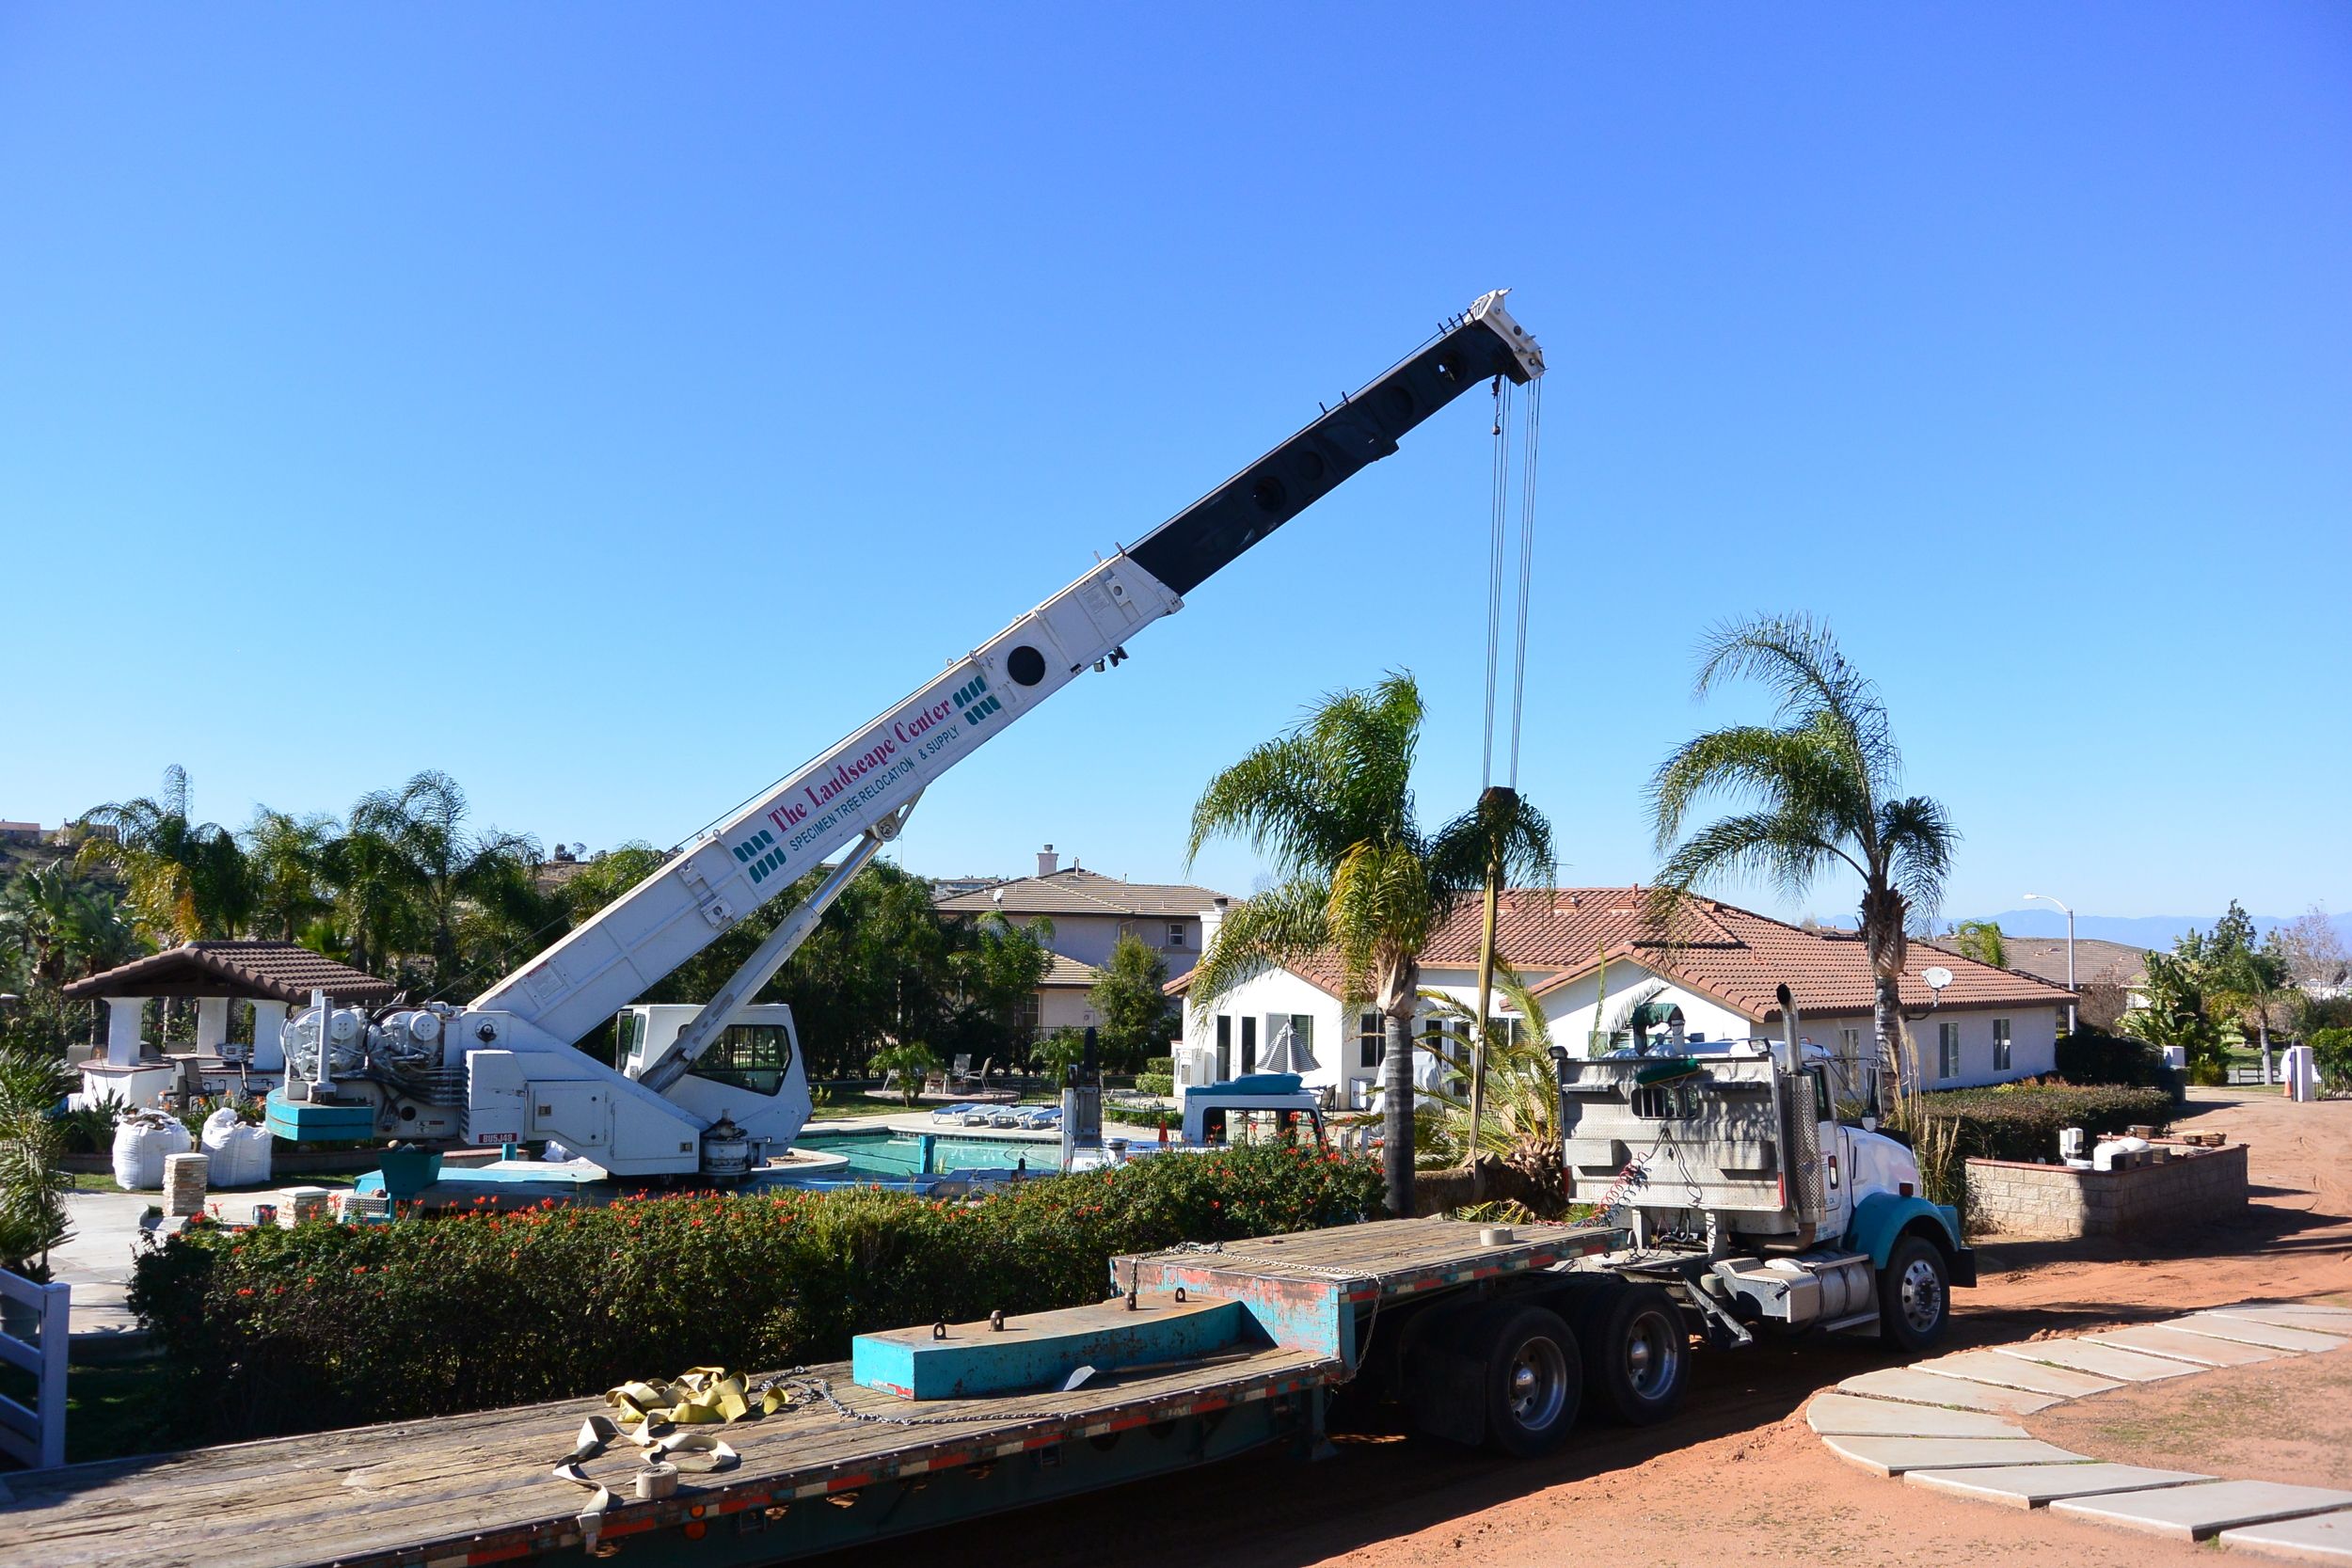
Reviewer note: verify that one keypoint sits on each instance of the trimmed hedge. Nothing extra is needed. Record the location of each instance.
(2022, 1121)
(1155, 1083)
(325, 1326)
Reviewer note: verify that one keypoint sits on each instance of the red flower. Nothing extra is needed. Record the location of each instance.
(358, 1268)
(245, 1290)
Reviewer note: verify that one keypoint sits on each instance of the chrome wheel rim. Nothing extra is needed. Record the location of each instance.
(1653, 1355)
(1922, 1295)
(1538, 1384)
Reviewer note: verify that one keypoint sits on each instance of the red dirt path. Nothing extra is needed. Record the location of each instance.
(1737, 1475)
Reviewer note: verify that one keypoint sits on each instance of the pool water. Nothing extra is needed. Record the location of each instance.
(903, 1154)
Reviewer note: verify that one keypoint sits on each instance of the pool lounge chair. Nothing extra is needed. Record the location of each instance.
(953, 1115)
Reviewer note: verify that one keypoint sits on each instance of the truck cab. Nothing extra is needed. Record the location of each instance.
(1758, 1188)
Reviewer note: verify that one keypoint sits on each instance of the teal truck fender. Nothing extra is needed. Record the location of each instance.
(1882, 1218)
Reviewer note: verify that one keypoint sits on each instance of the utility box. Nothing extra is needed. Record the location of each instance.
(494, 1095)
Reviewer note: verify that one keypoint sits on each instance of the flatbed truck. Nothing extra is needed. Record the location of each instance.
(1454, 1309)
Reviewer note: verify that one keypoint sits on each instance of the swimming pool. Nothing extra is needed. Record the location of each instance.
(887, 1153)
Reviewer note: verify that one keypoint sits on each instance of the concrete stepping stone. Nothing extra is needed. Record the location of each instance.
(2010, 1371)
(1836, 1414)
(2031, 1485)
(2202, 1348)
(2315, 1538)
(1893, 1456)
(2248, 1331)
(2098, 1360)
(2194, 1512)
(1917, 1388)
(2320, 1319)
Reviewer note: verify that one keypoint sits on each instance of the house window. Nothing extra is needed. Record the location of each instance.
(1303, 1036)
(1224, 1047)
(1849, 1045)
(1371, 1045)
(1031, 1017)
(1175, 933)
(1248, 1044)
(2001, 1045)
(1947, 1051)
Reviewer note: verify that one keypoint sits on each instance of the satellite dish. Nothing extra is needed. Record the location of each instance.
(1937, 977)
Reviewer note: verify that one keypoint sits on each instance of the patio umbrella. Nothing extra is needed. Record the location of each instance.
(1287, 1053)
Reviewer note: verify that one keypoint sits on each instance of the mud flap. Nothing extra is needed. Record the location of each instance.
(1445, 1391)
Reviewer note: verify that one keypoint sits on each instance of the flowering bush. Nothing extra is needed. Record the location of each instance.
(326, 1325)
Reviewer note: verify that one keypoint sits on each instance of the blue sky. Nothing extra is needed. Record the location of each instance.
(613, 405)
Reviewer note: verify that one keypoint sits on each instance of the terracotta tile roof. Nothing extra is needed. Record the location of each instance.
(1731, 953)
(1070, 971)
(2096, 961)
(256, 971)
(1075, 892)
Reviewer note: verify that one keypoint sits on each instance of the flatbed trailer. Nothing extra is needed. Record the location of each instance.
(1321, 1307)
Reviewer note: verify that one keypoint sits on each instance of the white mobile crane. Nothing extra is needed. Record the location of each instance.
(503, 1069)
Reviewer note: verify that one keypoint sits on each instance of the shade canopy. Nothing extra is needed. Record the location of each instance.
(249, 971)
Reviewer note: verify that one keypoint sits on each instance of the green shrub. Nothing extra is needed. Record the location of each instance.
(1161, 1064)
(1155, 1083)
(2090, 1056)
(2332, 1053)
(2022, 1121)
(326, 1325)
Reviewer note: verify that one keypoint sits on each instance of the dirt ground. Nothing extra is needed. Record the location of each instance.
(1737, 1474)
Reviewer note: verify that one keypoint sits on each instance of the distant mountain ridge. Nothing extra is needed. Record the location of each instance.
(2143, 931)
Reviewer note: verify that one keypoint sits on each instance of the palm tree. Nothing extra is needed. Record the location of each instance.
(286, 863)
(1520, 1131)
(188, 879)
(1331, 803)
(1819, 784)
(413, 881)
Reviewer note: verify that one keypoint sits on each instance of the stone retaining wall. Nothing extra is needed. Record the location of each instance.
(2055, 1202)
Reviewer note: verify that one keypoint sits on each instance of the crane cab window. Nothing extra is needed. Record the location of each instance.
(628, 1033)
(754, 1056)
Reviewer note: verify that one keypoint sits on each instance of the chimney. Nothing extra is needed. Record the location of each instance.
(1211, 919)
(1047, 862)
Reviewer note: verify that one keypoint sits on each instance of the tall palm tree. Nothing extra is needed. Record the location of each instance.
(1331, 804)
(187, 878)
(412, 878)
(1819, 785)
(286, 862)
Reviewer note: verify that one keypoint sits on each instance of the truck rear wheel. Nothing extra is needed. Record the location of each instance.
(1637, 1352)
(1533, 1381)
(1914, 1293)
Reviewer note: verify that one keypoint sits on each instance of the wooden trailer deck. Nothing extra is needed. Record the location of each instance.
(473, 1489)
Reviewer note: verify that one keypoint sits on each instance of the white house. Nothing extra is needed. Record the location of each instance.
(1592, 957)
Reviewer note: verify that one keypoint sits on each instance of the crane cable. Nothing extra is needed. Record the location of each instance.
(1499, 511)
(1497, 519)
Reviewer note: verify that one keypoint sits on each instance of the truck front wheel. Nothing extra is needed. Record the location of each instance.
(1914, 1293)
(1636, 1351)
(1533, 1378)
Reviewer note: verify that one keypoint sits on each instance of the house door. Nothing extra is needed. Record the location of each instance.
(1248, 1044)
(1224, 1047)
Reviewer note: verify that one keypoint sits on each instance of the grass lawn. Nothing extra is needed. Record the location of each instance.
(110, 1411)
(103, 1181)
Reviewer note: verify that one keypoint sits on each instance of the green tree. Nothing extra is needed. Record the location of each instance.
(998, 970)
(1981, 940)
(2176, 1013)
(1330, 803)
(911, 1060)
(188, 879)
(1817, 785)
(1520, 1131)
(286, 871)
(1136, 1013)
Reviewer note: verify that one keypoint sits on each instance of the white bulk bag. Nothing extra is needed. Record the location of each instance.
(141, 1141)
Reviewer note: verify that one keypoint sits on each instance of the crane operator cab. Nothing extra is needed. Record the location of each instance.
(750, 1082)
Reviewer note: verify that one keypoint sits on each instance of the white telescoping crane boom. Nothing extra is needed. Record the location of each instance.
(528, 1082)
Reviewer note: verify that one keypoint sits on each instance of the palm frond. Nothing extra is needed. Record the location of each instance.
(1277, 927)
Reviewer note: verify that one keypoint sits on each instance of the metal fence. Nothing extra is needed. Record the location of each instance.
(35, 1332)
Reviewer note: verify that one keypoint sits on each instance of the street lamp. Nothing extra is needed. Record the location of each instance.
(2070, 950)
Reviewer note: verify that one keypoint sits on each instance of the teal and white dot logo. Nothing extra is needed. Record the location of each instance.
(760, 854)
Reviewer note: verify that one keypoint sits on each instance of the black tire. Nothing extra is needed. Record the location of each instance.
(1637, 1352)
(1914, 1294)
(1532, 1381)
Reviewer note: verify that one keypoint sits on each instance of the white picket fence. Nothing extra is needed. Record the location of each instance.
(36, 1436)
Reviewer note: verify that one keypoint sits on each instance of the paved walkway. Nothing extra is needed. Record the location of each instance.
(1942, 1423)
